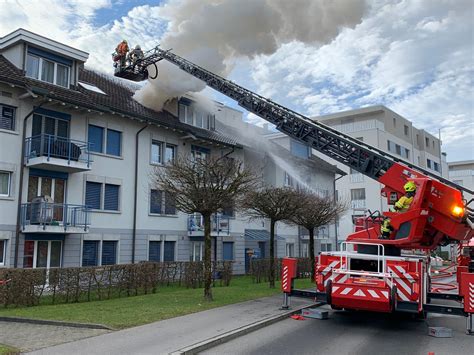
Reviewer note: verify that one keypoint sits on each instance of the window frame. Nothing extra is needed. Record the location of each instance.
(159, 144)
(192, 256)
(163, 205)
(232, 244)
(9, 183)
(48, 256)
(97, 256)
(4, 119)
(102, 197)
(116, 252)
(104, 148)
(55, 68)
(3, 256)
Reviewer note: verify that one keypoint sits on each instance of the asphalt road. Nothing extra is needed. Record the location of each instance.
(353, 333)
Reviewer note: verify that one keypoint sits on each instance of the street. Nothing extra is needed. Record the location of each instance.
(353, 333)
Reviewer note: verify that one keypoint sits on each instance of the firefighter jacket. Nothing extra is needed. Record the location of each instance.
(403, 204)
(122, 49)
(386, 227)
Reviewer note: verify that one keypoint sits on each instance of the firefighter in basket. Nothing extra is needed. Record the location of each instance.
(120, 54)
(135, 54)
(402, 205)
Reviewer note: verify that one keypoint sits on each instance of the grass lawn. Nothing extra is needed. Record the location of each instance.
(168, 302)
(7, 350)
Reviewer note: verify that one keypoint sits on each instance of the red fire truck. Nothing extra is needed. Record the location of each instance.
(368, 273)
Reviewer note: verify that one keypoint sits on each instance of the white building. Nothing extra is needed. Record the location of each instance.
(76, 154)
(388, 131)
(462, 173)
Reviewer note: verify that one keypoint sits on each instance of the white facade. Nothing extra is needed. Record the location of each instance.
(384, 129)
(462, 173)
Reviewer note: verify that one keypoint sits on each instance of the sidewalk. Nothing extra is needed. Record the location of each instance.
(177, 334)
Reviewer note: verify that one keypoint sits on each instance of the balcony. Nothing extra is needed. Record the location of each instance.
(57, 153)
(220, 225)
(46, 217)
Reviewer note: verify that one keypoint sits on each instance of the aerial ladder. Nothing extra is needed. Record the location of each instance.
(368, 273)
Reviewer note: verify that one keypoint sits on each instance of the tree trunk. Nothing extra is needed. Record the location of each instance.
(272, 254)
(311, 252)
(207, 258)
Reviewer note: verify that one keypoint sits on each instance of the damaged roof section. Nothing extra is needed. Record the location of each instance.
(118, 99)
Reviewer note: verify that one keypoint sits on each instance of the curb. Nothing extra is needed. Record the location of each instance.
(232, 334)
(55, 322)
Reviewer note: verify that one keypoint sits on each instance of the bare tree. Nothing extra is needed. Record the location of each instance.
(313, 212)
(205, 186)
(276, 204)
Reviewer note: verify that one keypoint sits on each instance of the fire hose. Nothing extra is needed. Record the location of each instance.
(443, 273)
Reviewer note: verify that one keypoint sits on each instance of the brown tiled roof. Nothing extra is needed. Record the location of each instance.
(119, 99)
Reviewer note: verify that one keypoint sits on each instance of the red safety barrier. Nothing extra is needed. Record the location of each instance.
(288, 273)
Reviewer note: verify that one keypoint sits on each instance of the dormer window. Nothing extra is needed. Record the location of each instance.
(48, 67)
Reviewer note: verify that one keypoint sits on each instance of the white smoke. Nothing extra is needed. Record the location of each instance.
(213, 33)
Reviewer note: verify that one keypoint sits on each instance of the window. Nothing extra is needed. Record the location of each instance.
(300, 150)
(109, 252)
(304, 250)
(114, 139)
(394, 122)
(197, 251)
(170, 153)
(93, 195)
(261, 247)
(406, 153)
(5, 178)
(287, 179)
(7, 117)
(435, 166)
(428, 163)
(110, 192)
(427, 142)
(162, 203)
(398, 149)
(111, 197)
(168, 251)
(154, 251)
(228, 210)
(96, 138)
(90, 253)
(198, 152)
(46, 70)
(290, 249)
(199, 119)
(156, 152)
(458, 182)
(405, 130)
(3, 250)
(112, 144)
(42, 254)
(228, 251)
(390, 146)
(357, 194)
(326, 247)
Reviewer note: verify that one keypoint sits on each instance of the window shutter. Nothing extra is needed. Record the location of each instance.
(155, 201)
(111, 197)
(7, 118)
(113, 142)
(93, 195)
(154, 251)
(168, 254)
(95, 136)
(109, 252)
(90, 251)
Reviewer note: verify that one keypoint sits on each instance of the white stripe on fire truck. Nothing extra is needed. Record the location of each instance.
(373, 294)
(399, 281)
(329, 267)
(335, 288)
(404, 273)
(359, 293)
(346, 290)
(385, 293)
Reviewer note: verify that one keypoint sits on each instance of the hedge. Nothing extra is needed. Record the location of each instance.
(30, 287)
(260, 269)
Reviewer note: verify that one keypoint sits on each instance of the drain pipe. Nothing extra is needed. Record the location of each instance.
(20, 188)
(135, 194)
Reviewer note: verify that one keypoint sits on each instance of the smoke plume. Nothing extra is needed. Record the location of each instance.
(213, 33)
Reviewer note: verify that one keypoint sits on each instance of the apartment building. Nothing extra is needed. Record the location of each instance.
(462, 173)
(389, 132)
(77, 153)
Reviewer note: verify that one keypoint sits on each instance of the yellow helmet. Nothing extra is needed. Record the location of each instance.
(409, 186)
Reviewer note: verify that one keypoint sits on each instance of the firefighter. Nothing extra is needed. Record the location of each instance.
(121, 53)
(136, 54)
(402, 205)
(386, 228)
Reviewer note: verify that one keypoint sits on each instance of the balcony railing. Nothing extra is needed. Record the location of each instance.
(48, 216)
(219, 224)
(49, 146)
(357, 204)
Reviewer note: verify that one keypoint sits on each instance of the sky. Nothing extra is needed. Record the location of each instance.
(414, 56)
